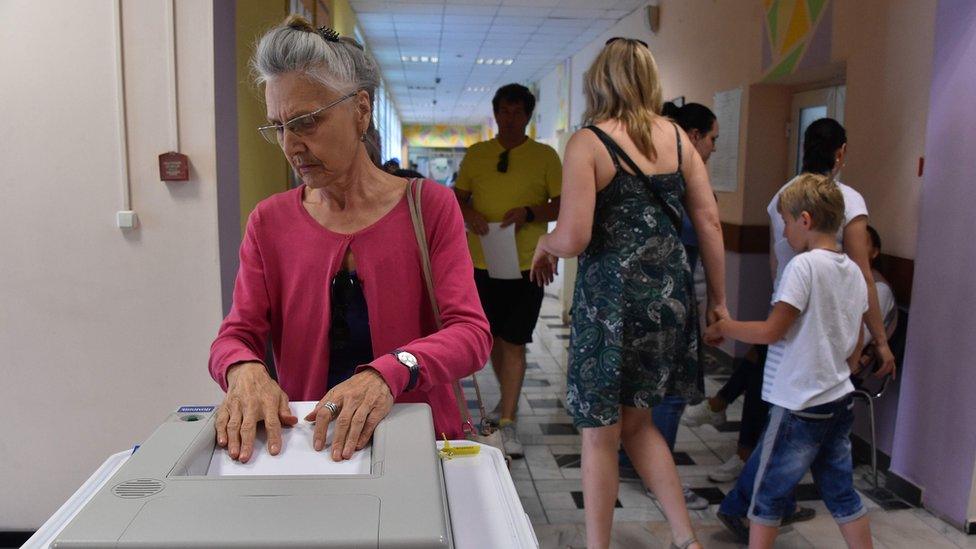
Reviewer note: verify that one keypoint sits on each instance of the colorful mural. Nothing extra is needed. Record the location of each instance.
(442, 136)
(796, 35)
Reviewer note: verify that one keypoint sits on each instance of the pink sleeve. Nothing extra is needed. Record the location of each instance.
(462, 345)
(243, 334)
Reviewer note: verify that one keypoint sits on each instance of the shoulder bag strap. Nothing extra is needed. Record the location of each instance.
(655, 189)
(416, 217)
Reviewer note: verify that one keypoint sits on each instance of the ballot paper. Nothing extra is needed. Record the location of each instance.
(501, 255)
(297, 457)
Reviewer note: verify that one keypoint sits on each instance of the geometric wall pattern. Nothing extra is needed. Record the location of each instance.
(796, 35)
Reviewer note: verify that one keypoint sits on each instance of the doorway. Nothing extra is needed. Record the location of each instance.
(807, 107)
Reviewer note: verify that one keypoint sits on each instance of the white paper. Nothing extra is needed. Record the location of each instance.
(724, 162)
(501, 255)
(297, 457)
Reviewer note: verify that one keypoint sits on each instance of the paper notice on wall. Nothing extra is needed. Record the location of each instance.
(501, 255)
(724, 162)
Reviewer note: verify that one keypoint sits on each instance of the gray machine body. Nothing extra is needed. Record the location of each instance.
(161, 497)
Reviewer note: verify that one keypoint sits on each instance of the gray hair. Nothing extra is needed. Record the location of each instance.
(339, 64)
(295, 45)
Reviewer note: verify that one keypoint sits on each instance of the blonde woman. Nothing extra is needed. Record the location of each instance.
(634, 331)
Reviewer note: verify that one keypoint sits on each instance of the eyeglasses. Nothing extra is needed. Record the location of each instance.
(503, 162)
(615, 38)
(343, 286)
(300, 125)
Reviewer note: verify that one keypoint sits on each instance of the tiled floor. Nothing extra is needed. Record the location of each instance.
(548, 478)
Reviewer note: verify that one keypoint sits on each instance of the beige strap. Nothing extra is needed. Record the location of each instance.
(416, 216)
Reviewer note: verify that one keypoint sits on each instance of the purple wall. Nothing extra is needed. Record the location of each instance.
(935, 438)
(228, 188)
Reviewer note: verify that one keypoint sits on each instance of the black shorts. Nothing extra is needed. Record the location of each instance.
(512, 306)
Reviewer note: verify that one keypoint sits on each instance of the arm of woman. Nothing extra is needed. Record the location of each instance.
(237, 361)
(703, 211)
(574, 225)
(856, 247)
(462, 344)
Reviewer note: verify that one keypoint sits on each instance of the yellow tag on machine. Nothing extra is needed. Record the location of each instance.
(451, 452)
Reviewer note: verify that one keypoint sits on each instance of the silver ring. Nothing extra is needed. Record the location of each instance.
(332, 408)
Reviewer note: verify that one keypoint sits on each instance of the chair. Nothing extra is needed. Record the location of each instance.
(867, 388)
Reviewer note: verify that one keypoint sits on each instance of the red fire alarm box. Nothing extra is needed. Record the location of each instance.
(174, 166)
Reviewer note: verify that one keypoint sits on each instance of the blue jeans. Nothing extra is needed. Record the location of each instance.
(666, 416)
(815, 439)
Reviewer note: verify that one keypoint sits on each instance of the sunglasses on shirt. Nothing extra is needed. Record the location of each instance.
(503, 162)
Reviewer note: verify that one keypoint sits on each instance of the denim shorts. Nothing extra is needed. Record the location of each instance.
(815, 439)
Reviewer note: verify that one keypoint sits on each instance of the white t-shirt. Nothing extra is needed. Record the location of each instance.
(808, 367)
(886, 301)
(854, 207)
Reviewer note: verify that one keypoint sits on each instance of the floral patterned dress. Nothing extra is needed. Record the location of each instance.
(634, 333)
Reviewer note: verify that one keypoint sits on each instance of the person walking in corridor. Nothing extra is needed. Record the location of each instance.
(634, 336)
(513, 180)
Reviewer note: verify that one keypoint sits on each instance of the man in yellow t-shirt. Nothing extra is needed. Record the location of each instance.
(511, 180)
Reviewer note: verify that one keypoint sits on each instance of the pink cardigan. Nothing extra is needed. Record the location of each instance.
(283, 289)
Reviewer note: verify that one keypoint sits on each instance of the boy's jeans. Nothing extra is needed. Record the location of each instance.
(666, 415)
(815, 439)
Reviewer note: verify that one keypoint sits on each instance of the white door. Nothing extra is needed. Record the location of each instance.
(807, 107)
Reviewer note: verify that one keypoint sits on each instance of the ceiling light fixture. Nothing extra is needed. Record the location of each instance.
(493, 61)
(419, 59)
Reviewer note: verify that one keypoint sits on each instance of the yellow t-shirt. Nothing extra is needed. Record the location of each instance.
(534, 176)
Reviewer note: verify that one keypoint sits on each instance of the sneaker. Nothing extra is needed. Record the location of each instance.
(802, 514)
(693, 501)
(735, 525)
(494, 417)
(728, 471)
(513, 447)
(628, 474)
(699, 414)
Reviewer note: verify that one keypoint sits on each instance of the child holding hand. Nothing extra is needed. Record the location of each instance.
(814, 331)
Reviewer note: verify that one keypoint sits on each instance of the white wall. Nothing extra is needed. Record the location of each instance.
(102, 332)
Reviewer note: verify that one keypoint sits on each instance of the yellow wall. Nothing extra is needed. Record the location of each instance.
(262, 167)
(343, 18)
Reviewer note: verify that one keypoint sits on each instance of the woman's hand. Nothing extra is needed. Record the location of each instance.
(252, 397)
(714, 313)
(545, 266)
(713, 333)
(362, 401)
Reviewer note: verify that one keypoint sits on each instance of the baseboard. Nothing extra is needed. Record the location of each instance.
(14, 538)
(904, 489)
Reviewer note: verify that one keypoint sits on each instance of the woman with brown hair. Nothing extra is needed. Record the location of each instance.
(627, 179)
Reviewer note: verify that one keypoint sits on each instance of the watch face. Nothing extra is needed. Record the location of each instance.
(407, 359)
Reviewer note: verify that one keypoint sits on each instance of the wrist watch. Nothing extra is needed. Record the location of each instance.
(529, 215)
(410, 363)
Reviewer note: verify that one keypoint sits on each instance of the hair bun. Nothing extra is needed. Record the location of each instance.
(299, 23)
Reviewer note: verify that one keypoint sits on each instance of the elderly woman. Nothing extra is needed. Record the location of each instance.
(331, 270)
